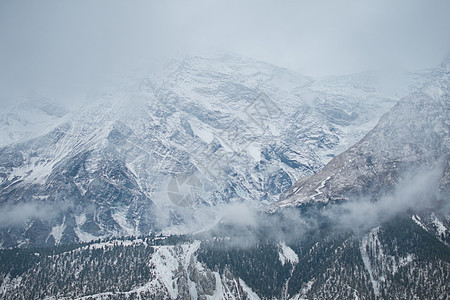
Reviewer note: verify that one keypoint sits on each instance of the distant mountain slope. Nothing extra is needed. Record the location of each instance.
(414, 134)
(32, 117)
(239, 129)
(96, 176)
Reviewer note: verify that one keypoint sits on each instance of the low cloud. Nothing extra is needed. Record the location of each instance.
(417, 191)
(12, 215)
(239, 214)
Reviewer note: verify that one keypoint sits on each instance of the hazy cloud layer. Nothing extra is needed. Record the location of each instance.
(11, 215)
(417, 191)
(49, 45)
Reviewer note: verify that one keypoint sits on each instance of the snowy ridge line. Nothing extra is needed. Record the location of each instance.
(246, 130)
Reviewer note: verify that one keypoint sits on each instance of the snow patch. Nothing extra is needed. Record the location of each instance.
(57, 232)
(370, 241)
(320, 187)
(120, 216)
(403, 261)
(419, 222)
(254, 150)
(250, 293)
(218, 293)
(84, 236)
(80, 220)
(188, 252)
(286, 254)
(203, 133)
(305, 289)
(165, 265)
(440, 227)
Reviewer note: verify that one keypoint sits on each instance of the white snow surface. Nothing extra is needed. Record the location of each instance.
(419, 222)
(57, 232)
(286, 254)
(250, 293)
(440, 227)
(219, 118)
(371, 241)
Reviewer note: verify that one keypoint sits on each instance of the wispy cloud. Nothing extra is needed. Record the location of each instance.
(11, 215)
(418, 190)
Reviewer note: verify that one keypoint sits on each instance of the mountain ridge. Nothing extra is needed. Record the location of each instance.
(241, 130)
(413, 132)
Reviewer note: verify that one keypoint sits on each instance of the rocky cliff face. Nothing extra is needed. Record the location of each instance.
(144, 157)
(103, 184)
(413, 135)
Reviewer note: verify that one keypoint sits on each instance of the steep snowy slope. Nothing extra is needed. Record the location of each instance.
(411, 138)
(143, 157)
(31, 117)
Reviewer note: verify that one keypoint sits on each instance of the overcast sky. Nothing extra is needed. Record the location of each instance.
(62, 44)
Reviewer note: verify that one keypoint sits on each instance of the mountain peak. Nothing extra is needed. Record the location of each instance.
(236, 128)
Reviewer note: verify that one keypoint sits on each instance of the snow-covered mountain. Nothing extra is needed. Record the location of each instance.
(31, 117)
(99, 174)
(144, 157)
(410, 138)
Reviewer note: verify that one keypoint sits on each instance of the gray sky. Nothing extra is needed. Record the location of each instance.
(47, 45)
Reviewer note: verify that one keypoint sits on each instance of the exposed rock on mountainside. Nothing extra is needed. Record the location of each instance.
(414, 134)
(242, 130)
